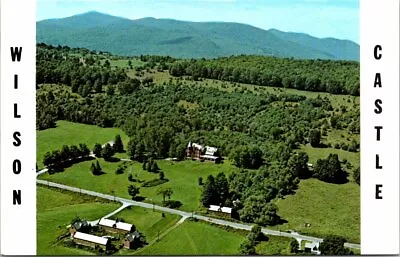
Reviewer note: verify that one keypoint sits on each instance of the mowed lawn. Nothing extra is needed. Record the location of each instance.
(196, 238)
(331, 209)
(147, 221)
(182, 179)
(69, 133)
(55, 210)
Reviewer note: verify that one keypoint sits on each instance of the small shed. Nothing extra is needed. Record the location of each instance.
(91, 240)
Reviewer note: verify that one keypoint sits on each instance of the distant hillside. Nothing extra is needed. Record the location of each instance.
(122, 36)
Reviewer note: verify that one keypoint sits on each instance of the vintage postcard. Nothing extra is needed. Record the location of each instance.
(202, 127)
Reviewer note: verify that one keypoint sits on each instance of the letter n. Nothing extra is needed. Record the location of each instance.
(17, 197)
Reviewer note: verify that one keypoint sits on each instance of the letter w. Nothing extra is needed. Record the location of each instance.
(16, 52)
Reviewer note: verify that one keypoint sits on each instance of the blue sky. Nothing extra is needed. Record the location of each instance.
(320, 18)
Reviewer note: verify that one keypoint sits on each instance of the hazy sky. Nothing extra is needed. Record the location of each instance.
(320, 18)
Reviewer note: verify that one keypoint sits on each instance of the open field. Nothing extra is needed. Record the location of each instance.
(329, 208)
(123, 63)
(69, 133)
(197, 238)
(56, 209)
(183, 179)
(147, 221)
(321, 153)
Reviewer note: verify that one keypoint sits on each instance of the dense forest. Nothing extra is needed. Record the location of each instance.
(336, 77)
(260, 132)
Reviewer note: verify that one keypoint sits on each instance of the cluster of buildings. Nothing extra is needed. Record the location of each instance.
(202, 153)
(78, 229)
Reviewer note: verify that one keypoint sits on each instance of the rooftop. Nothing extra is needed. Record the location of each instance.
(115, 224)
(90, 238)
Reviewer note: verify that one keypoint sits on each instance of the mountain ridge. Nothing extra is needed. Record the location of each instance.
(187, 39)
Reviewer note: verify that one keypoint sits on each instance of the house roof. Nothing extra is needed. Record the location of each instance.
(132, 236)
(79, 224)
(214, 208)
(90, 238)
(221, 209)
(211, 150)
(200, 147)
(226, 209)
(115, 224)
(124, 226)
(107, 222)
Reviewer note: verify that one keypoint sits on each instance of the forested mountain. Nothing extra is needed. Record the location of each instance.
(183, 39)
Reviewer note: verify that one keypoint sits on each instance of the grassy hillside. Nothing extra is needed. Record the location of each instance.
(122, 36)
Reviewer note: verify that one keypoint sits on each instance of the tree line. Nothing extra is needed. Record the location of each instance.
(336, 77)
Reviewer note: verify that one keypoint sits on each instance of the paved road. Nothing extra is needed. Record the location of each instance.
(127, 202)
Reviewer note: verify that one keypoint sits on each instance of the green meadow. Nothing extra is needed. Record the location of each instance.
(196, 238)
(69, 133)
(150, 223)
(330, 209)
(182, 179)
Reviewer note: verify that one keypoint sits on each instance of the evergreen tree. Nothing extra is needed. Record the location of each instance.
(330, 170)
(118, 146)
(209, 192)
(133, 191)
(107, 152)
(93, 169)
(97, 149)
(154, 167)
(222, 188)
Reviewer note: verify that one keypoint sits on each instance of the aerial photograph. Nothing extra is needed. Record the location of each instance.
(201, 127)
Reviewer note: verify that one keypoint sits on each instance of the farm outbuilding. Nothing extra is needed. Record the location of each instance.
(81, 225)
(131, 239)
(91, 240)
(116, 226)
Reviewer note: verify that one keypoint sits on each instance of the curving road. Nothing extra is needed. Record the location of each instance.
(127, 202)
